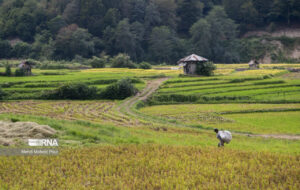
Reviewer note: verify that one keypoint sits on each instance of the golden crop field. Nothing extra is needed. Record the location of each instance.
(151, 167)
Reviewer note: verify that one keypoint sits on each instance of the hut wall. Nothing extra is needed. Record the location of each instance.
(190, 68)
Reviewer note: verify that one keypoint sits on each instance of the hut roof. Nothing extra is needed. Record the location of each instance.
(192, 58)
(253, 62)
(23, 63)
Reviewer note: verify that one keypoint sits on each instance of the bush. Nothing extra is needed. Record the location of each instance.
(205, 69)
(122, 61)
(73, 91)
(8, 70)
(2, 94)
(19, 72)
(97, 62)
(145, 65)
(119, 90)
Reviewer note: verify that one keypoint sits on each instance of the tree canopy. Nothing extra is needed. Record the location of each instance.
(156, 31)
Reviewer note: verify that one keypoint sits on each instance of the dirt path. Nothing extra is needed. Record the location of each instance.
(126, 109)
(150, 88)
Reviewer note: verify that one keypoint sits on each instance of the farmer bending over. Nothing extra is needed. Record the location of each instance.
(223, 136)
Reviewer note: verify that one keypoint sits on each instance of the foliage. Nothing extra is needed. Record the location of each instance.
(2, 94)
(214, 36)
(145, 65)
(119, 90)
(72, 40)
(205, 68)
(5, 49)
(73, 91)
(122, 61)
(8, 70)
(97, 62)
(19, 72)
(21, 50)
(153, 31)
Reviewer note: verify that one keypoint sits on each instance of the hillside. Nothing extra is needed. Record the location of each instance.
(157, 31)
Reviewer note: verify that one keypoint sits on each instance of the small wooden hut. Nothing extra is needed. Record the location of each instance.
(26, 66)
(190, 63)
(254, 64)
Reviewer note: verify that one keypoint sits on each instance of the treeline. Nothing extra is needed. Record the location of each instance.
(151, 30)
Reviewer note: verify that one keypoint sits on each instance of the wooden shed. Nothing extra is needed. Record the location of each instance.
(254, 64)
(190, 63)
(26, 66)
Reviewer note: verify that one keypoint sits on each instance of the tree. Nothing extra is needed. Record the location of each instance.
(91, 15)
(189, 11)
(125, 41)
(21, 50)
(223, 30)
(213, 36)
(138, 11)
(243, 12)
(152, 16)
(111, 17)
(285, 10)
(161, 44)
(55, 24)
(5, 49)
(71, 41)
(201, 37)
(138, 32)
(167, 10)
(71, 12)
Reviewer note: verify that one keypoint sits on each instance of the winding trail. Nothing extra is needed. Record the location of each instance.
(127, 106)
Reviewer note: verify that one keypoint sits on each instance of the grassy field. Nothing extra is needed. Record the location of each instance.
(169, 143)
(251, 118)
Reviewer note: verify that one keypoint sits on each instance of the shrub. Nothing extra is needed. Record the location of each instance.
(2, 94)
(145, 65)
(97, 62)
(8, 70)
(19, 72)
(79, 91)
(122, 61)
(119, 90)
(205, 69)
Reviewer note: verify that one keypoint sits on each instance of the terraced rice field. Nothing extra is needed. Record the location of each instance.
(32, 87)
(231, 88)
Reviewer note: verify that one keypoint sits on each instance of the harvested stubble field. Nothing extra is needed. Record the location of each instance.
(94, 111)
(161, 146)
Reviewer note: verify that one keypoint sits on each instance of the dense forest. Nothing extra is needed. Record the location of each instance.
(152, 30)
